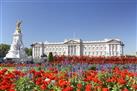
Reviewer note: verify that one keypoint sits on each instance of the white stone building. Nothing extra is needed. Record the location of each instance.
(106, 47)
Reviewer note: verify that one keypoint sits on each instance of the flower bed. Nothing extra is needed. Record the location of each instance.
(65, 80)
(71, 74)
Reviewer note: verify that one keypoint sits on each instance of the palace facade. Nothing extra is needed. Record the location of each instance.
(77, 47)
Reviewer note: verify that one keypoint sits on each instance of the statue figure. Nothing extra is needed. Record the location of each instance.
(18, 24)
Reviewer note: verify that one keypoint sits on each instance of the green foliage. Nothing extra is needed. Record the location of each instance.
(50, 57)
(93, 67)
(28, 51)
(25, 84)
(4, 48)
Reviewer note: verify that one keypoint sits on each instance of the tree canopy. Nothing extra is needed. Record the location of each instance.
(4, 48)
(28, 51)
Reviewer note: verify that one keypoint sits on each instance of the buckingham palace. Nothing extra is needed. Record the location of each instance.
(77, 47)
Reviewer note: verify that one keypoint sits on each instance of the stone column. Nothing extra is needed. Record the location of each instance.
(78, 50)
(110, 50)
(66, 50)
(107, 50)
(74, 49)
(36, 52)
(118, 49)
(41, 50)
(33, 52)
(71, 49)
(115, 49)
(114, 46)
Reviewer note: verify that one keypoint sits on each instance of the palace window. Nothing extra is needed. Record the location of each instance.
(97, 53)
(100, 53)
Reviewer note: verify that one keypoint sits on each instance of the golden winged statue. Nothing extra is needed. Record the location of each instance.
(18, 24)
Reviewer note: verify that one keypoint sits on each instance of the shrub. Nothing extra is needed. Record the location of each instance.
(93, 67)
(50, 57)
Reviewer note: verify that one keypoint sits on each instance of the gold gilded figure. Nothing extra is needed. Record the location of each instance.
(18, 24)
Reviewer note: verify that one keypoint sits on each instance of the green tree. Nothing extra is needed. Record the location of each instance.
(28, 51)
(4, 48)
(50, 57)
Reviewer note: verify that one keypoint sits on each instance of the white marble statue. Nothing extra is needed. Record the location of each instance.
(17, 48)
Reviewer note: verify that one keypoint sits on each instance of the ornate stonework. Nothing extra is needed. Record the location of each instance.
(77, 47)
(17, 48)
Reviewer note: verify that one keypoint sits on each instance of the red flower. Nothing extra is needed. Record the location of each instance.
(78, 89)
(68, 89)
(43, 87)
(88, 87)
(63, 83)
(125, 89)
(134, 86)
(121, 81)
(79, 85)
(105, 89)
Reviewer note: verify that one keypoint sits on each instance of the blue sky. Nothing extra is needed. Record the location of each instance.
(56, 20)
